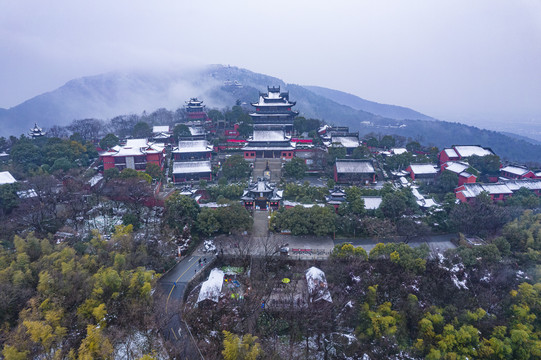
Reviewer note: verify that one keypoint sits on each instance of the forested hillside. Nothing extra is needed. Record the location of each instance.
(444, 134)
(355, 102)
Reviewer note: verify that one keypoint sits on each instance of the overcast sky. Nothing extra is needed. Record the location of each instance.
(443, 58)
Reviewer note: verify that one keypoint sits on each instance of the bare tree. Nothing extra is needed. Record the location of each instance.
(40, 204)
(58, 131)
(88, 129)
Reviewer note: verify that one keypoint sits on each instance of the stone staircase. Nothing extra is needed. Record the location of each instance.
(275, 166)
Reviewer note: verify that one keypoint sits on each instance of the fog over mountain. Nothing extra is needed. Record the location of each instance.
(119, 93)
(107, 95)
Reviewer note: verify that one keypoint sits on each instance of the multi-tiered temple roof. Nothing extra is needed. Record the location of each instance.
(195, 109)
(36, 132)
(274, 108)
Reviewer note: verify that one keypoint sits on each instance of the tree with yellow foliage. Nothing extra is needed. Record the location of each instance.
(237, 348)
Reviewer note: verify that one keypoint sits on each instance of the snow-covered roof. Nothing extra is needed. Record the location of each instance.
(398, 151)
(427, 203)
(137, 142)
(516, 170)
(160, 129)
(474, 189)
(189, 146)
(466, 174)
(356, 166)
(421, 200)
(337, 192)
(95, 179)
(269, 135)
(346, 141)
(191, 167)
(403, 181)
(135, 147)
(27, 194)
(196, 130)
(262, 187)
(419, 169)
(211, 289)
(416, 193)
(399, 173)
(372, 202)
(272, 115)
(470, 150)
(323, 128)
(288, 147)
(272, 96)
(161, 136)
(294, 203)
(531, 184)
(213, 205)
(6, 178)
(317, 285)
(455, 166)
(451, 153)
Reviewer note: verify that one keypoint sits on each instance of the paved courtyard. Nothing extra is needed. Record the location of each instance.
(261, 242)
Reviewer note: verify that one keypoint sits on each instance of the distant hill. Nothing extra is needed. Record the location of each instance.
(444, 134)
(357, 103)
(520, 137)
(108, 95)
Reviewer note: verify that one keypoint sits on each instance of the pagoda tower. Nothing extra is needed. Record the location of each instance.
(195, 110)
(36, 132)
(274, 109)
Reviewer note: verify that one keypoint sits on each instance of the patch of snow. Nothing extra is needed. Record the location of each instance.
(521, 275)
(459, 284)
(209, 246)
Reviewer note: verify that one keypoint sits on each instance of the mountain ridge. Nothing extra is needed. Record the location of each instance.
(358, 103)
(108, 95)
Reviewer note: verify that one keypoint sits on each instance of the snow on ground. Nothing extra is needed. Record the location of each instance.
(136, 345)
(209, 246)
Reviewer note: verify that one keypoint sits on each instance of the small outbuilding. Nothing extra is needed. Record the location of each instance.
(212, 288)
(318, 289)
(354, 171)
